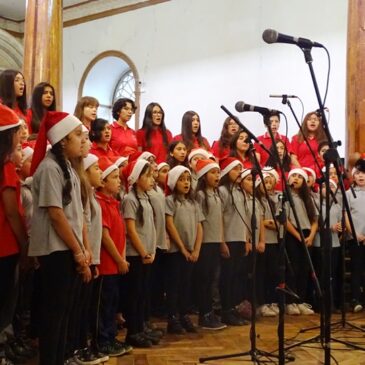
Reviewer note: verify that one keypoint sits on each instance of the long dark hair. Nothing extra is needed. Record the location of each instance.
(286, 162)
(319, 134)
(148, 125)
(96, 128)
(7, 92)
(225, 138)
(38, 110)
(6, 147)
(306, 196)
(233, 146)
(187, 131)
(171, 160)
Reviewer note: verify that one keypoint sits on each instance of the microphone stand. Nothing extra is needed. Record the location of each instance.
(331, 156)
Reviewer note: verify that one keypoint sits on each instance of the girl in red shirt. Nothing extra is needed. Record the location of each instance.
(13, 239)
(153, 136)
(101, 134)
(239, 148)
(221, 148)
(313, 131)
(43, 100)
(86, 110)
(191, 132)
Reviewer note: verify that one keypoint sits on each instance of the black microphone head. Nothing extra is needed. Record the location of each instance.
(270, 36)
(240, 106)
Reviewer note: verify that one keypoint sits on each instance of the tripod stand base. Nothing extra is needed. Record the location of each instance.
(255, 356)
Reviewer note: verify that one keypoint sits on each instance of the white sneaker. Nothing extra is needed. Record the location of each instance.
(292, 309)
(274, 307)
(266, 311)
(305, 309)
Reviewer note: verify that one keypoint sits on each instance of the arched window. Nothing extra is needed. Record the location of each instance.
(125, 87)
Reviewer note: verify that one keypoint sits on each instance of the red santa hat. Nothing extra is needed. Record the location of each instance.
(54, 127)
(132, 171)
(203, 166)
(118, 160)
(162, 165)
(8, 118)
(174, 174)
(245, 173)
(198, 151)
(106, 166)
(310, 171)
(227, 164)
(298, 171)
(89, 160)
(268, 170)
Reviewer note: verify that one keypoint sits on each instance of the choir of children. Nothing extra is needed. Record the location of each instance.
(112, 232)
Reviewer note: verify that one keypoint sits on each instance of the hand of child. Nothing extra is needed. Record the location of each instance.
(308, 241)
(194, 256)
(88, 257)
(186, 254)
(80, 259)
(248, 248)
(261, 247)
(148, 259)
(86, 274)
(123, 267)
(224, 250)
(361, 238)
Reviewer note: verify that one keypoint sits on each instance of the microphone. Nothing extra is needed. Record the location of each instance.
(272, 36)
(241, 107)
(282, 96)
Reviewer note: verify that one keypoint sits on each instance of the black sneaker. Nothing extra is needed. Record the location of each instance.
(128, 348)
(187, 324)
(174, 326)
(138, 340)
(101, 356)
(230, 319)
(111, 350)
(152, 329)
(210, 322)
(86, 357)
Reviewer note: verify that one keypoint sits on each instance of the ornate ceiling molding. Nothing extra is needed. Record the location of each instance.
(11, 52)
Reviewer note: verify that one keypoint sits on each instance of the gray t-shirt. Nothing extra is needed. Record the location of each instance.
(213, 222)
(47, 187)
(233, 212)
(146, 230)
(92, 215)
(187, 215)
(27, 201)
(301, 212)
(335, 217)
(248, 202)
(271, 235)
(157, 198)
(357, 208)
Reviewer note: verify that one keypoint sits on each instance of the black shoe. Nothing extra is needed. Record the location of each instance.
(128, 348)
(111, 350)
(187, 324)
(174, 326)
(138, 340)
(12, 356)
(152, 329)
(86, 357)
(20, 348)
(230, 319)
(209, 321)
(155, 340)
(101, 356)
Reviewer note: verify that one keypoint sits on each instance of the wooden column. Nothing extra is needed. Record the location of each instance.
(355, 108)
(43, 45)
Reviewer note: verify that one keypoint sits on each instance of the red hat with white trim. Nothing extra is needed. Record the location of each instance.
(311, 171)
(89, 160)
(227, 164)
(203, 166)
(298, 171)
(245, 173)
(55, 126)
(106, 166)
(162, 165)
(8, 118)
(133, 170)
(119, 160)
(174, 174)
(198, 151)
(271, 171)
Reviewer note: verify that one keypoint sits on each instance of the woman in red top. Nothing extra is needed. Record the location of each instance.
(43, 100)
(313, 131)
(13, 238)
(86, 110)
(239, 148)
(100, 135)
(191, 132)
(123, 138)
(221, 148)
(153, 136)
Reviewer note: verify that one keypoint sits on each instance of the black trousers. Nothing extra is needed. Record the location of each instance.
(271, 281)
(178, 274)
(230, 280)
(137, 287)
(209, 259)
(8, 289)
(158, 283)
(107, 287)
(357, 256)
(58, 274)
(299, 278)
(259, 272)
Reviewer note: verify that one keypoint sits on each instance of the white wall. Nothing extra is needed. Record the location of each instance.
(199, 54)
